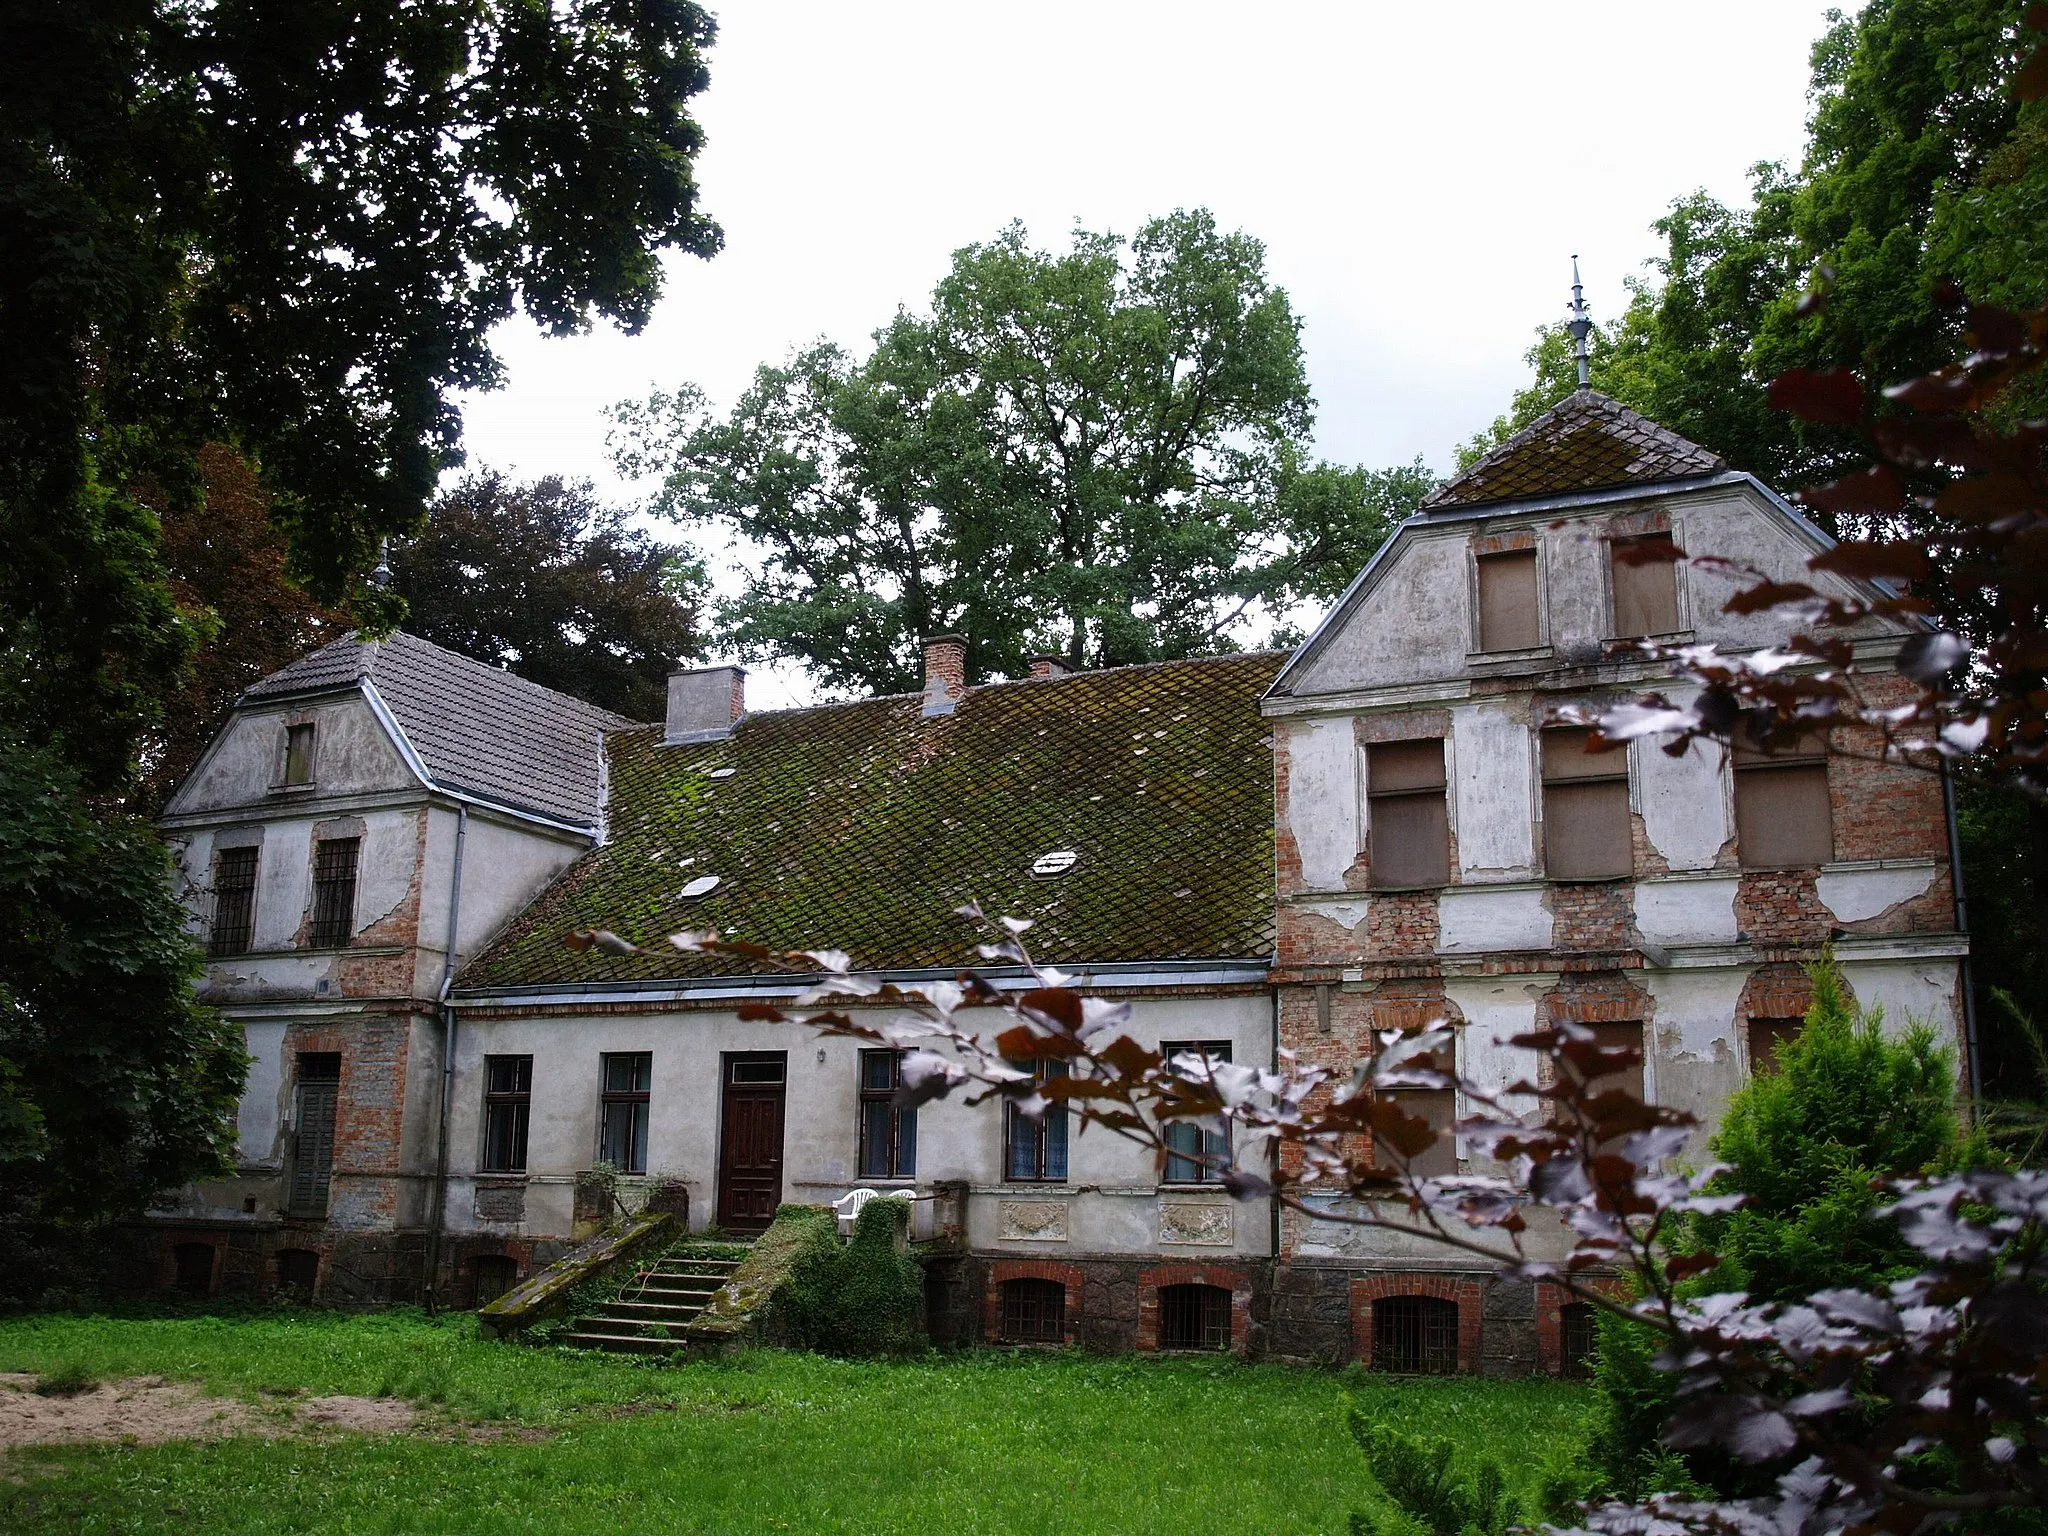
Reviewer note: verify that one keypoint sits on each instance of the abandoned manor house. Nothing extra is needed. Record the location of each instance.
(1396, 823)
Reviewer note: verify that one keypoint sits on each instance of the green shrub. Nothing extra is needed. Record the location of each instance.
(1424, 1480)
(66, 1381)
(1841, 1106)
(864, 1297)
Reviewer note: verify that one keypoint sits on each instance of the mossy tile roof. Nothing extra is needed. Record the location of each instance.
(1586, 442)
(861, 826)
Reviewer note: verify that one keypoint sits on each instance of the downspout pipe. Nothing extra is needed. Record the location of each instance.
(1955, 877)
(429, 1283)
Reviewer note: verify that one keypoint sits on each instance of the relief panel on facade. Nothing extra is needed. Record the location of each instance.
(1190, 1222)
(1032, 1221)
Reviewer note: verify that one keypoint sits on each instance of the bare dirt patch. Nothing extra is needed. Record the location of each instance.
(146, 1410)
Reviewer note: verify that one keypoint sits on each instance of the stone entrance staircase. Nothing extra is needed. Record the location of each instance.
(648, 1314)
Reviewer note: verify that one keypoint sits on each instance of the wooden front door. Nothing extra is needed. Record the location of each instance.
(750, 1150)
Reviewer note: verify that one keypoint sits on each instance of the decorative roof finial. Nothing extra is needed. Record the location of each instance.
(1581, 326)
(380, 578)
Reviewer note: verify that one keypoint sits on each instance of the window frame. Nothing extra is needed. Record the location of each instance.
(1042, 1132)
(1441, 1160)
(1390, 788)
(1208, 1150)
(333, 921)
(1748, 766)
(240, 937)
(1500, 560)
(901, 1154)
(1615, 581)
(635, 1102)
(1564, 772)
(301, 740)
(1011, 1309)
(514, 1103)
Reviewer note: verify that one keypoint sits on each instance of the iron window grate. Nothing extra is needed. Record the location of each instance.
(234, 902)
(1194, 1317)
(1579, 1344)
(1034, 1312)
(1415, 1335)
(334, 891)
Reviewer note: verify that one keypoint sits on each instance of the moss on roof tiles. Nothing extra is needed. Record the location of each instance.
(861, 826)
(1586, 442)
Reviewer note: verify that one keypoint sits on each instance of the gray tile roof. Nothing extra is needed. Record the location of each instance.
(477, 729)
(1586, 442)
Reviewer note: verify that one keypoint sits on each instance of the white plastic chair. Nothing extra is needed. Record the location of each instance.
(849, 1205)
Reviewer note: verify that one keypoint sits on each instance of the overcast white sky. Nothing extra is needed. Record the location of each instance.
(1420, 174)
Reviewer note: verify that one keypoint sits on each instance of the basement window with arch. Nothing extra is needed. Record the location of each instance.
(1415, 1335)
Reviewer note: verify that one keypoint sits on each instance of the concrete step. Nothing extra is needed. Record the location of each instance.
(621, 1344)
(652, 1311)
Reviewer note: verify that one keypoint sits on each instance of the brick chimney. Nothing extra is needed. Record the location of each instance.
(1045, 664)
(945, 673)
(704, 704)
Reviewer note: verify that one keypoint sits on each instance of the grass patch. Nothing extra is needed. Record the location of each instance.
(65, 1381)
(977, 1443)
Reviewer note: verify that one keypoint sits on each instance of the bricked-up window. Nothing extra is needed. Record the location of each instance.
(622, 1111)
(298, 754)
(1765, 1036)
(334, 891)
(1437, 1106)
(888, 1135)
(1034, 1312)
(1585, 809)
(508, 1103)
(1408, 820)
(1782, 816)
(194, 1268)
(1507, 601)
(1415, 1335)
(298, 1269)
(1194, 1317)
(1036, 1149)
(1196, 1153)
(1576, 1338)
(234, 902)
(1645, 585)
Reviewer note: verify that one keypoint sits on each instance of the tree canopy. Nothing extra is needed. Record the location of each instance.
(1098, 453)
(1921, 168)
(545, 580)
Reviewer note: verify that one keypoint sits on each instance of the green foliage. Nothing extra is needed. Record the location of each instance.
(1623, 1454)
(863, 1297)
(1919, 167)
(290, 233)
(1843, 1105)
(1098, 453)
(116, 1084)
(547, 581)
(2004, 835)
(65, 1381)
(1426, 1481)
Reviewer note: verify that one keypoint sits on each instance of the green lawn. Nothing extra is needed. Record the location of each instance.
(984, 1442)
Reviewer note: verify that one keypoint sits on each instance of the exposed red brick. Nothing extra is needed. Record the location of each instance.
(1228, 1277)
(1468, 1293)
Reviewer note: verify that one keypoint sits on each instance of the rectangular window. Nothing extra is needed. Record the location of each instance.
(1585, 809)
(1782, 815)
(508, 1100)
(622, 1111)
(1036, 1150)
(334, 891)
(1765, 1037)
(1196, 1153)
(1408, 820)
(1507, 601)
(234, 901)
(298, 754)
(1439, 1108)
(888, 1135)
(1645, 585)
(316, 1102)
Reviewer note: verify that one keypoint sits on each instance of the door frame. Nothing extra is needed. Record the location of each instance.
(727, 1060)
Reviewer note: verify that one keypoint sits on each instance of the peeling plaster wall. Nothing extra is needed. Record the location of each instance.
(1322, 802)
(1477, 918)
(505, 866)
(1695, 1062)
(1909, 990)
(352, 755)
(1415, 624)
(1688, 911)
(1494, 807)
(1684, 802)
(1856, 894)
(1111, 1196)
(1496, 1008)
(260, 1118)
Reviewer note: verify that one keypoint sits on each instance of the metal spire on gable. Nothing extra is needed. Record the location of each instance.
(1581, 327)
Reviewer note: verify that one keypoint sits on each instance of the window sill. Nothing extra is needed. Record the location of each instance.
(1534, 658)
(307, 788)
(1402, 890)
(1201, 1187)
(1037, 1186)
(1590, 879)
(1619, 643)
